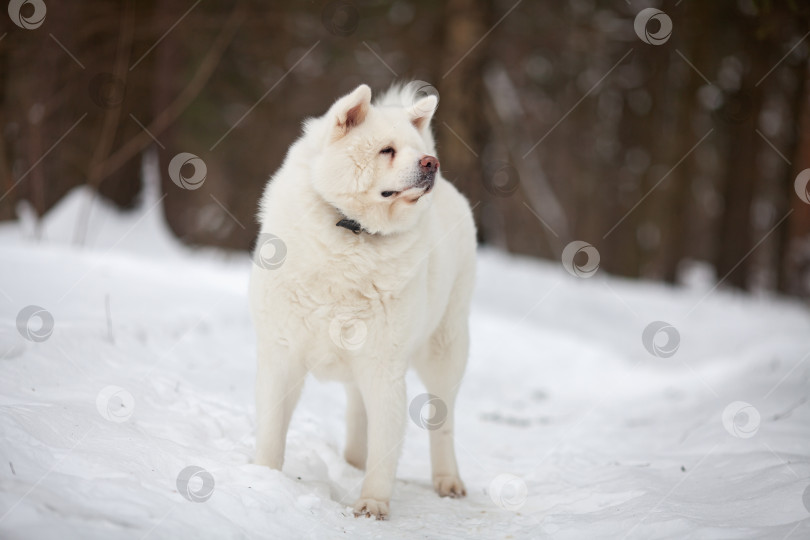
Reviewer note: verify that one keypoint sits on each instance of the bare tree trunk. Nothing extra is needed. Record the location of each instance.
(111, 118)
(742, 146)
(794, 277)
(462, 96)
(524, 175)
(674, 221)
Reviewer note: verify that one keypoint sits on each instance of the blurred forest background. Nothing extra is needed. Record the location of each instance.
(556, 119)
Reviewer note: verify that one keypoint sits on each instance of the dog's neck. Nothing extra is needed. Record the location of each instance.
(350, 224)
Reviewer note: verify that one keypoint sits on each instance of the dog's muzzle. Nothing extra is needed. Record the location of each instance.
(428, 166)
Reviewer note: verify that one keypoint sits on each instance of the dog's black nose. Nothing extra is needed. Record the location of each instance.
(429, 164)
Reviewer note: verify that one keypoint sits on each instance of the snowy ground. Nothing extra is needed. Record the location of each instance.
(149, 370)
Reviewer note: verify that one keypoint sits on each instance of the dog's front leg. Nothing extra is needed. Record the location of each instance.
(385, 401)
(279, 380)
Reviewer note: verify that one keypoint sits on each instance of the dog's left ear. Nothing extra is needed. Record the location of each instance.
(422, 111)
(350, 110)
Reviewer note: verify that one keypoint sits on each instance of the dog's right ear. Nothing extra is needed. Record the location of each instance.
(350, 110)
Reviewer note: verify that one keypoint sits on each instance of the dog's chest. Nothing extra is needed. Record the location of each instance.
(353, 318)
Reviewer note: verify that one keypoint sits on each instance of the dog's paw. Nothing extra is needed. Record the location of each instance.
(371, 508)
(449, 486)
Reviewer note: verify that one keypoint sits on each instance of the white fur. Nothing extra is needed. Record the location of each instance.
(362, 308)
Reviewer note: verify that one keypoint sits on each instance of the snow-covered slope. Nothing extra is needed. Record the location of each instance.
(568, 426)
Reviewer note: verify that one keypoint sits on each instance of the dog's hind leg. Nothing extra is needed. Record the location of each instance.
(279, 380)
(356, 427)
(441, 370)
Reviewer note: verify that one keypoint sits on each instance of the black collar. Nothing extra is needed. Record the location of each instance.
(351, 224)
(348, 223)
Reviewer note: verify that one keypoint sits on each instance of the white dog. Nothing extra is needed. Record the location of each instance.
(389, 286)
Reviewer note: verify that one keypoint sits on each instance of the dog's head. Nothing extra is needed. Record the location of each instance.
(376, 164)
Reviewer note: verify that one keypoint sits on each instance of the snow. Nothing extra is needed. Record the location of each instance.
(568, 427)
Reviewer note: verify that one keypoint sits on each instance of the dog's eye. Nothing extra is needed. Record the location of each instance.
(388, 193)
(388, 150)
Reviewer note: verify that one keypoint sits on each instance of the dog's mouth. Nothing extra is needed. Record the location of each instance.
(421, 187)
(414, 193)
